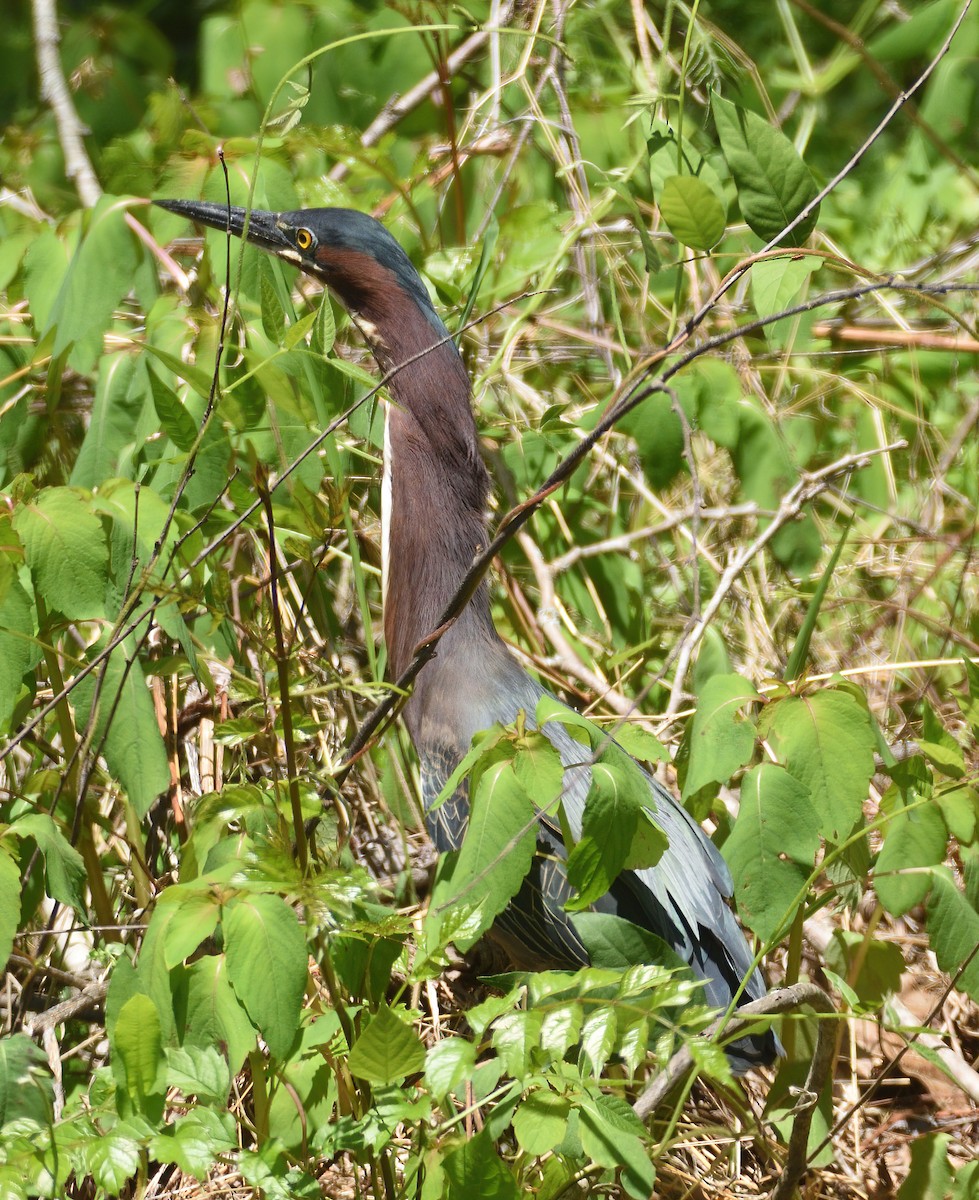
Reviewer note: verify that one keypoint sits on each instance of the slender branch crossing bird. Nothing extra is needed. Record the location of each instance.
(435, 490)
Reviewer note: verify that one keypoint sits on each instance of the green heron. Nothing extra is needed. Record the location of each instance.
(434, 491)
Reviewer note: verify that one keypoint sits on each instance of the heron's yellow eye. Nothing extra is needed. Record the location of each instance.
(304, 239)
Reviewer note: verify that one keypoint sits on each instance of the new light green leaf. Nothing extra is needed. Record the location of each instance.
(720, 738)
(213, 1014)
(772, 848)
(826, 741)
(692, 212)
(475, 1171)
(448, 1064)
(610, 1138)
(65, 548)
(387, 1050)
(26, 1087)
(266, 955)
(774, 184)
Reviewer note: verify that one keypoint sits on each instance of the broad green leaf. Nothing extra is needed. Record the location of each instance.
(826, 741)
(496, 853)
(772, 848)
(541, 1121)
(26, 1087)
(196, 1141)
(112, 1160)
(324, 328)
(137, 1045)
(126, 730)
(195, 918)
(100, 273)
(387, 1050)
(560, 1029)
(273, 316)
(658, 434)
(113, 438)
(930, 1176)
(774, 184)
(9, 904)
(516, 1035)
(776, 283)
(212, 1013)
(537, 766)
(19, 646)
(448, 1064)
(766, 473)
(66, 551)
(618, 944)
(597, 1040)
(692, 212)
(63, 865)
(720, 738)
(881, 964)
(953, 930)
(612, 813)
(915, 837)
(199, 1071)
(475, 1171)
(266, 954)
(176, 422)
(611, 1135)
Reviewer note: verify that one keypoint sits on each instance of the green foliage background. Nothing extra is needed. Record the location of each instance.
(773, 545)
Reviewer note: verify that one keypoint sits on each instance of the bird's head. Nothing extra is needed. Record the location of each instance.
(348, 251)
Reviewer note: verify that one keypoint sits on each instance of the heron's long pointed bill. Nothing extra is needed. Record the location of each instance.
(263, 229)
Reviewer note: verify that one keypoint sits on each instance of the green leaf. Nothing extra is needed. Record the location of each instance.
(560, 1029)
(611, 1135)
(772, 848)
(496, 853)
(212, 1013)
(64, 866)
(475, 1171)
(448, 1064)
(692, 212)
(541, 1121)
(273, 316)
(658, 434)
(111, 1159)
(826, 741)
(720, 738)
(516, 1035)
(953, 930)
(176, 422)
(196, 1141)
(65, 548)
(324, 328)
(597, 1040)
(266, 954)
(99, 275)
(777, 282)
(199, 1071)
(195, 918)
(617, 944)
(125, 725)
(915, 837)
(19, 648)
(112, 438)
(930, 1176)
(387, 1050)
(26, 1087)
(613, 809)
(9, 904)
(774, 184)
(137, 1045)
